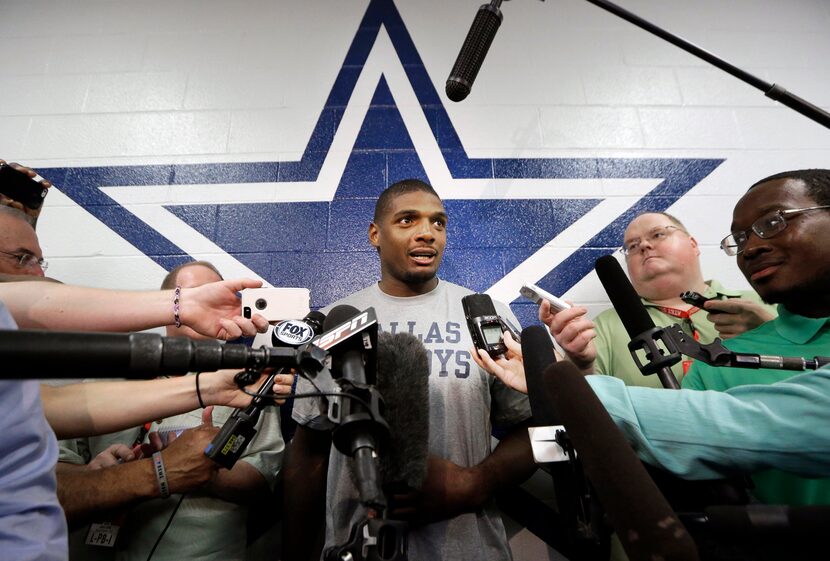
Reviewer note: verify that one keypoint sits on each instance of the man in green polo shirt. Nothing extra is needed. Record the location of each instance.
(663, 260)
(781, 237)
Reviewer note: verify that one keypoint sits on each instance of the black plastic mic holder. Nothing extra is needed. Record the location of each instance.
(674, 342)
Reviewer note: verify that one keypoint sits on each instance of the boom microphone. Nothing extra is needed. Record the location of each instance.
(630, 309)
(59, 354)
(643, 519)
(475, 47)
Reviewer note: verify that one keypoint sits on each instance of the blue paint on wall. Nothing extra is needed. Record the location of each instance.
(323, 245)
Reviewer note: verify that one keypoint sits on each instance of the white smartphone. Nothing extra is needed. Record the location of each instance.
(276, 304)
(533, 292)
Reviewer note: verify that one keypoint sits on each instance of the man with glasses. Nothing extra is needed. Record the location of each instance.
(20, 252)
(781, 239)
(663, 261)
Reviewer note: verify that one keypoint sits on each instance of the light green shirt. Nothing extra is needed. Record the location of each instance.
(788, 335)
(613, 356)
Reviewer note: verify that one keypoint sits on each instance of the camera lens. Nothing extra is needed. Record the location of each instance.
(261, 304)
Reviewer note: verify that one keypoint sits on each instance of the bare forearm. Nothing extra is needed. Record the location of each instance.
(94, 408)
(57, 306)
(84, 493)
(304, 474)
(243, 484)
(510, 463)
(101, 407)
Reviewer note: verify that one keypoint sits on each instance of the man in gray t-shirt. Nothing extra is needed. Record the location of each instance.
(452, 516)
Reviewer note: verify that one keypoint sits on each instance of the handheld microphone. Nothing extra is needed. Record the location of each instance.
(643, 519)
(485, 324)
(475, 47)
(636, 320)
(403, 381)
(537, 350)
(361, 431)
(240, 428)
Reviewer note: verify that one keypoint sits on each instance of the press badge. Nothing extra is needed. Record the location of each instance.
(102, 534)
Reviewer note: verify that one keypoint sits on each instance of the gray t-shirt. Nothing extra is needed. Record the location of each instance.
(464, 401)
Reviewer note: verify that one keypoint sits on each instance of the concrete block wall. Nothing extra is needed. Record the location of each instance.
(256, 133)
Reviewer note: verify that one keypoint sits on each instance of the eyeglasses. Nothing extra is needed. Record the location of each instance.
(654, 237)
(26, 260)
(765, 228)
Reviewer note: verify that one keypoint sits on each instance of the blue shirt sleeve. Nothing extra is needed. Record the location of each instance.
(706, 434)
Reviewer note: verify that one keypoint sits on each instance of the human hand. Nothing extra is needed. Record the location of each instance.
(213, 310)
(510, 369)
(574, 332)
(185, 463)
(4, 200)
(736, 316)
(114, 455)
(283, 384)
(448, 490)
(220, 388)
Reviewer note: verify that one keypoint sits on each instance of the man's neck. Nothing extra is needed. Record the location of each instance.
(667, 293)
(401, 289)
(809, 307)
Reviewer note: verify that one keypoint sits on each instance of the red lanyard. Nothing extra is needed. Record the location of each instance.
(683, 314)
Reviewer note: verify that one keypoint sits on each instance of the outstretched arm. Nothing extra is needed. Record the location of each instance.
(102, 407)
(211, 309)
(85, 492)
(708, 434)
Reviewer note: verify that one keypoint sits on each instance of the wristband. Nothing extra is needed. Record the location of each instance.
(177, 294)
(161, 475)
(198, 392)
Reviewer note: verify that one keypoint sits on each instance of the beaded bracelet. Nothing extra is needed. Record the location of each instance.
(177, 294)
(161, 475)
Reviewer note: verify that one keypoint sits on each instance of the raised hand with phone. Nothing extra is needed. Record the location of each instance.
(22, 188)
(569, 325)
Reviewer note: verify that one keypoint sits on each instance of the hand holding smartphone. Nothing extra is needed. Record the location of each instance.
(18, 186)
(533, 292)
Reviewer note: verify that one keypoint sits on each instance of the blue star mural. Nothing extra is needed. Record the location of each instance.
(322, 245)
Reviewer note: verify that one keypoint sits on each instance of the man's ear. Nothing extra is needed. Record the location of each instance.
(374, 235)
(695, 245)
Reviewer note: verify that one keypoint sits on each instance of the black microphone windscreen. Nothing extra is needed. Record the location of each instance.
(623, 297)
(537, 350)
(643, 519)
(475, 47)
(339, 314)
(477, 305)
(403, 382)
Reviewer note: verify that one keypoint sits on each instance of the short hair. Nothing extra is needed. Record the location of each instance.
(170, 280)
(816, 180)
(673, 219)
(396, 190)
(17, 213)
